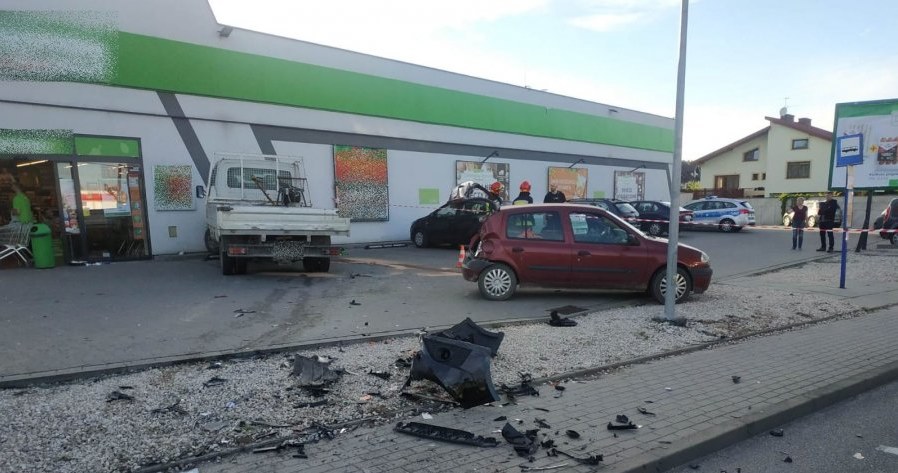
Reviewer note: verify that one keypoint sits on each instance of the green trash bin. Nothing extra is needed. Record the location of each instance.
(42, 246)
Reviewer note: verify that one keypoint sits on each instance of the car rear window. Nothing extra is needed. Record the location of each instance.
(535, 226)
(746, 205)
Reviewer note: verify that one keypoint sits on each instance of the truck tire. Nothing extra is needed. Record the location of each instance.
(228, 264)
(212, 245)
(316, 265)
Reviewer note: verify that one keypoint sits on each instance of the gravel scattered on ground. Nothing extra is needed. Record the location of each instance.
(72, 427)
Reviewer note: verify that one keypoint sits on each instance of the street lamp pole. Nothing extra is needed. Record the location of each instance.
(674, 226)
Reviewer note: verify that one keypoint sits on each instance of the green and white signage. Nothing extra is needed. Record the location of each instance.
(877, 123)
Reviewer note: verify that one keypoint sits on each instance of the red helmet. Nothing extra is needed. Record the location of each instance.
(525, 186)
(496, 187)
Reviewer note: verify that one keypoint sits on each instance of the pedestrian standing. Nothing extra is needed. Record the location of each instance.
(799, 221)
(524, 197)
(826, 216)
(554, 196)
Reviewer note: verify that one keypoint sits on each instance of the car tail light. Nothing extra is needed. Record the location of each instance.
(744, 211)
(236, 250)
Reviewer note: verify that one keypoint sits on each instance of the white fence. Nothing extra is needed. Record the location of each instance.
(768, 210)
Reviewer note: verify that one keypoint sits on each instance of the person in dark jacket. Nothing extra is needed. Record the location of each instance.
(826, 216)
(524, 197)
(554, 196)
(799, 221)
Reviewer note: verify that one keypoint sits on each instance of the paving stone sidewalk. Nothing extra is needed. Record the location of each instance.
(698, 408)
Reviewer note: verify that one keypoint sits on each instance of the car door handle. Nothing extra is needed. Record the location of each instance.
(517, 249)
(583, 253)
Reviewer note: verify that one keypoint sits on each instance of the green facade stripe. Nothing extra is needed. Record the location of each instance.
(160, 64)
(33, 141)
(97, 146)
(865, 109)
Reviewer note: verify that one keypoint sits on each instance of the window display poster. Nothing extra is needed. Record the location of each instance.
(69, 205)
(360, 181)
(483, 174)
(570, 181)
(629, 185)
(877, 121)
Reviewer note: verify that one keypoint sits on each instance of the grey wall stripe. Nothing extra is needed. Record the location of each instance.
(188, 136)
(266, 135)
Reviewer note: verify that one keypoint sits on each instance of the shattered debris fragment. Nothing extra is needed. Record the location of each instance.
(242, 312)
(572, 434)
(385, 375)
(627, 426)
(557, 321)
(214, 381)
(312, 372)
(524, 444)
(590, 460)
(542, 423)
(444, 434)
(736, 379)
(302, 405)
(468, 331)
(353, 302)
(644, 411)
(777, 432)
(461, 368)
(788, 459)
(118, 396)
(622, 419)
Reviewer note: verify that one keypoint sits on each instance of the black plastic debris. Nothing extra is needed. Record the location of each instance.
(214, 365)
(523, 389)
(557, 321)
(315, 391)
(242, 312)
(300, 451)
(644, 411)
(622, 419)
(500, 419)
(385, 375)
(176, 408)
(541, 423)
(572, 434)
(547, 444)
(590, 460)
(302, 405)
(403, 363)
(559, 387)
(118, 396)
(788, 459)
(214, 381)
(468, 331)
(461, 368)
(444, 434)
(353, 302)
(289, 443)
(524, 444)
(627, 426)
(312, 372)
(736, 379)
(777, 432)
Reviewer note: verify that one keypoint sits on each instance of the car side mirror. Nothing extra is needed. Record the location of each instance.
(200, 192)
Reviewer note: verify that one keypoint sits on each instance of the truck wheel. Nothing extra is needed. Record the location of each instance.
(228, 265)
(316, 265)
(212, 245)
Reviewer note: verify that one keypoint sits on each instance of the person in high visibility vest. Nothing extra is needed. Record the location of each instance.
(524, 197)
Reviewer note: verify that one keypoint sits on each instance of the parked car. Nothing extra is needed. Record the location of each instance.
(576, 246)
(812, 205)
(888, 220)
(728, 215)
(618, 207)
(654, 216)
(452, 224)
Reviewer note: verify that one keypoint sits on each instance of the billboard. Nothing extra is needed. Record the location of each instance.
(570, 181)
(483, 174)
(876, 123)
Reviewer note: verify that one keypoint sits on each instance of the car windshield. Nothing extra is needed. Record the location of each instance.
(626, 208)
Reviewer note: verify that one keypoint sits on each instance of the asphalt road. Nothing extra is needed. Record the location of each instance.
(71, 317)
(858, 435)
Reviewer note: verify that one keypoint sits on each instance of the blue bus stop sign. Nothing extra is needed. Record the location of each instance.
(849, 150)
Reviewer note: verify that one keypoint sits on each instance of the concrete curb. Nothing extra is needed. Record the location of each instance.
(713, 439)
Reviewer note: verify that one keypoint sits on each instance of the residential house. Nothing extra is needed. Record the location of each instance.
(785, 157)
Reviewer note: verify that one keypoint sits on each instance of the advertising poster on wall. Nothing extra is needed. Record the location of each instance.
(483, 174)
(877, 123)
(360, 181)
(629, 185)
(69, 205)
(570, 181)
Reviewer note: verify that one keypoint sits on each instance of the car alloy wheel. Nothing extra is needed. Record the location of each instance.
(659, 285)
(497, 282)
(420, 239)
(727, 226)
(655, 229)
(894, 238)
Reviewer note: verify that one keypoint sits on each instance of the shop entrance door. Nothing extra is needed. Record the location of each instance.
(112, 223)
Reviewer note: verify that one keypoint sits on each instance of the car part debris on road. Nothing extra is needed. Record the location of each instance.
(777, 432)
(312, 372)
(118, 396)
(524, 444)
(444, 434)
(644, 411)
(590, 460)
(214, 381)
(468, 331)
(557, 321)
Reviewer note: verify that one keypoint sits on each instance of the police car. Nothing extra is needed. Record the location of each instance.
(729, 215)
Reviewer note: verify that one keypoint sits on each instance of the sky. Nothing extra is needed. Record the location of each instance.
(746, 59)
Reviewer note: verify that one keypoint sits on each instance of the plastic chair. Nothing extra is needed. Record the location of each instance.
(14, 240)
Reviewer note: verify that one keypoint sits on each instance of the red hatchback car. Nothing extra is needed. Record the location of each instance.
(576, 246)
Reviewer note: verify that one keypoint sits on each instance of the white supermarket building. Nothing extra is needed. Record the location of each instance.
(111, 112)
